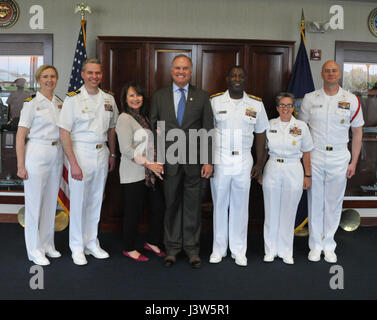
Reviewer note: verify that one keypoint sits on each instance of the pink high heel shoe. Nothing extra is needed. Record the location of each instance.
(140, 258)
(160, 254)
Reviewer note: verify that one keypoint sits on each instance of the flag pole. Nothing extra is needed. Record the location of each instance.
(74, 84)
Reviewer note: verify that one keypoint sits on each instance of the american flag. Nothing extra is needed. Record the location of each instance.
(80, 56)
(74, 84)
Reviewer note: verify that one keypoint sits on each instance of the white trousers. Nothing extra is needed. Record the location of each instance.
(44, 164)
(230, 189)
(282, 190)
(325, 197)
(86, 195)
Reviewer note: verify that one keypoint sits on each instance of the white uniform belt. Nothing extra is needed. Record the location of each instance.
(89, 145)
(47, 142)
(331, 147)
(284, 160)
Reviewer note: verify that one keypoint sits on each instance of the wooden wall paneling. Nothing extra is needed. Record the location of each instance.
(161, 56)
(213, 64)
(269, 69)
(123, 62)
(268, 64)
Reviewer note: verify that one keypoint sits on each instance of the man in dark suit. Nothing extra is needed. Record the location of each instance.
(181, 107)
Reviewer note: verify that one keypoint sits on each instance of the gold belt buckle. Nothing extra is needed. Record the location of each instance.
(280, 160)
(98, 146)
(328, 148)
(54, 143)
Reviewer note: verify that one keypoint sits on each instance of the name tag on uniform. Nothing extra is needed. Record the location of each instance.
(295, 131)
(273, 131)
(343, 105)
(108, 107)
(221, 112)
(250, 112)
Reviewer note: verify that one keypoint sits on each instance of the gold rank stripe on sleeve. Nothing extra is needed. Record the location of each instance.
(30, 98)
(216, 94)
(254, 97)
(72, 93)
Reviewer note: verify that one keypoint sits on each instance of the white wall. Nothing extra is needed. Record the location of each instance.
(243, 19)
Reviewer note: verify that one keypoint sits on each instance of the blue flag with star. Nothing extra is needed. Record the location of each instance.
(80, 56)
(300, 83)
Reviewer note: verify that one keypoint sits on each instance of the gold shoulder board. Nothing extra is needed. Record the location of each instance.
(109, 92)
(254, 97)
(72, 93)
(30, 98)
(216, 94)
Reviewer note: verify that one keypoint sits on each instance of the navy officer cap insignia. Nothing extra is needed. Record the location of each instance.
(30, 98)
(73, 93)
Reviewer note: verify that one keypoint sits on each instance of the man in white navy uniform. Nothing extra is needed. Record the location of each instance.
(87, 121)
(330, 112)
(237, 117)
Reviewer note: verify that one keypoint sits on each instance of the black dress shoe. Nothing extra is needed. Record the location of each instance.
(195, 262)
(169, 261)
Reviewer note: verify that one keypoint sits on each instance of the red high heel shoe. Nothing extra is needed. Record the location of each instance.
(140, 258)
(160, 254)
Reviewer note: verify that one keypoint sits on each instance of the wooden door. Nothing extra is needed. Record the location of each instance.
(161, 56)
(214, 62)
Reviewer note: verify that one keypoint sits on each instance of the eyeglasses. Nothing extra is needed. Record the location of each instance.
(285, 105)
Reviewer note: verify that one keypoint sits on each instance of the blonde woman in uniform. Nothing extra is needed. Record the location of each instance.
(284, 178)
(39, 164)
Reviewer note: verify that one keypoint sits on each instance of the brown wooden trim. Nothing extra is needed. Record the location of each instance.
(8, 218)
(195, 40)
(12, 200)
(352, 204)
(368, 221)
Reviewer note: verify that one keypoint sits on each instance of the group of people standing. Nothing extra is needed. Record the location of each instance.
(306, 153)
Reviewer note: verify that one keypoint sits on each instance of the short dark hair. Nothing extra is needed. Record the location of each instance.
(236, 67)
(282, 95)
(139, 90)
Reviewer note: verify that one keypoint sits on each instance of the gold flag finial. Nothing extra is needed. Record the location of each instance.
(82, 8)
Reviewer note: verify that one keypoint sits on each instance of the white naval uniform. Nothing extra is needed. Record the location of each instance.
(329, 119)
(43, 163)
(235, 122)
(88, 119)
(283, 179)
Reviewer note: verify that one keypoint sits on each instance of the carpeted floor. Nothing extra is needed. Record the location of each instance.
(121, 278)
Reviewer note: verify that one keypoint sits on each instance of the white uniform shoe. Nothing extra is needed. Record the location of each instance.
(288, 260)
(240, 260)
(330, 257)
(79, 259)
(53, 254)
(97, 253)
(41, 261)
(268, 258)
(214, 258)
(314, 255)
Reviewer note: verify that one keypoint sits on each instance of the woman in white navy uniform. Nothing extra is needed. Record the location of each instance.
(288, 140)
(39, 164)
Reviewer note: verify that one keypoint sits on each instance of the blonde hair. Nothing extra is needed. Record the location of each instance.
(43, 68)
(90, 60)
